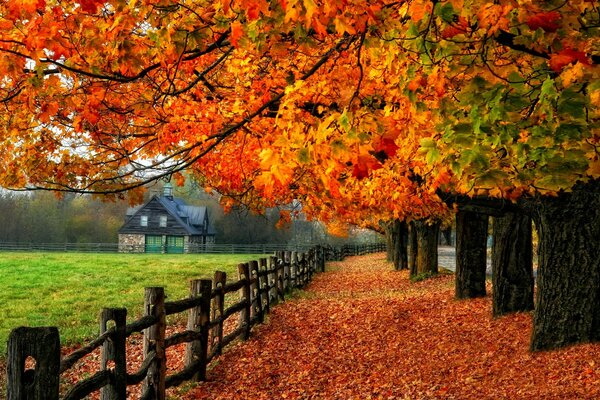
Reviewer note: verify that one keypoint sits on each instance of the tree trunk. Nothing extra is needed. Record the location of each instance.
(427, 244)
(400, 252)
(389, 242)
(413, 249)
(471, 237)
(512, 264)
(568, 296)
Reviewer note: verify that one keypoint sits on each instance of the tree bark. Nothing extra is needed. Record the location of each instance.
(568, 296)
(399, 244)
(471, 238)
(427, 243)
(512, 264)
(413, 249)
(389, 242)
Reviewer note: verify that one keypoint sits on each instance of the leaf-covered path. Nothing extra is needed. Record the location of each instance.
(362, 331)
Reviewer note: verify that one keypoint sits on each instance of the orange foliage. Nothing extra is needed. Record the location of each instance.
(565, 57)
(548, 21)
(345, 105)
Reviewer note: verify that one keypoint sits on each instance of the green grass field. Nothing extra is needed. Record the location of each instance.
(68, 290)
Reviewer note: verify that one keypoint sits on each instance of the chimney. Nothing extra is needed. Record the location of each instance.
(168, 191)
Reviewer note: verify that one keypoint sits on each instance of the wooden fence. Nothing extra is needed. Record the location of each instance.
(260, 285)
(192, 248)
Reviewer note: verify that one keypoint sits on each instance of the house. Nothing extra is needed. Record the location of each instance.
(165, 224)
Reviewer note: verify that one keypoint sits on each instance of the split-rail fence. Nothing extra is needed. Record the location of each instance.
(261, 284)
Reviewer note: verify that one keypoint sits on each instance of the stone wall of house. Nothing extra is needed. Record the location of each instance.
(132, 243)
(186, 243)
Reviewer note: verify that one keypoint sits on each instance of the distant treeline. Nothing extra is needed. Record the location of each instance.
(41, 217)
(44, 217)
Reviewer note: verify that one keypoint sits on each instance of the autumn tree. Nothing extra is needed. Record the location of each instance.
(345, 105)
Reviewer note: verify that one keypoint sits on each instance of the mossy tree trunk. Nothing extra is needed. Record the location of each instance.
(471, 239)
(568, 297)
(512, 264)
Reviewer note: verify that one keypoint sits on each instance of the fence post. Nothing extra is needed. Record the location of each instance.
(265, 286)
(278, 264)
(294, 269)
(244, 271)
(43, 345)
(154, 340)
(286, 257)
(312, 263)
(305, 269)
(218, 308)
(271, 281)
(114, 350)
(198, 320)
(256, 291)
(301, 269)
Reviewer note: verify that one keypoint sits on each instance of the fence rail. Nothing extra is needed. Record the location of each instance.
(260, 285)
(193, 248)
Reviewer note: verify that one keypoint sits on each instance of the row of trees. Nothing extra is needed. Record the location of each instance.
(417, 111)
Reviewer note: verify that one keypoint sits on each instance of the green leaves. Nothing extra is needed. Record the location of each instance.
(572, 103)
(446, 12)
(429, 148)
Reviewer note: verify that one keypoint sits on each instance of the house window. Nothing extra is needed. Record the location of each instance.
(144, 220)
(163, 221)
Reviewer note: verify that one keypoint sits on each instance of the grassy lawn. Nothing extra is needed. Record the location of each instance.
(68, 290)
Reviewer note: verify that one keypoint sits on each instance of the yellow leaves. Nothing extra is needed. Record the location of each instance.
(494, 17)
(310, 7)
(337, 228)
(343, 26)
(595, 98)
(291, 13)
(267, 158)
(572, 74)
(594, 169)
(277, 172)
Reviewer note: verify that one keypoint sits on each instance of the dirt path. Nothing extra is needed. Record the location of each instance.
(362, 331)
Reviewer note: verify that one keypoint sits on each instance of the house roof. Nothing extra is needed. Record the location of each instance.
(190, 218)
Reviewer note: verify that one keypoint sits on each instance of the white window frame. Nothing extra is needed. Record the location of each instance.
(144, 220)
(163, 221)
